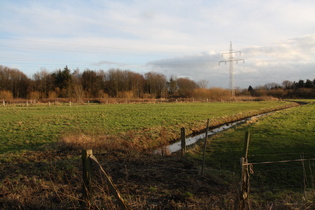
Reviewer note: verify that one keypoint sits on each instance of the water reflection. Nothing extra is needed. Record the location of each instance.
(175, 147)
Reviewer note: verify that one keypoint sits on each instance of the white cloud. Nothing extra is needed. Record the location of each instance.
(275, 63)
(164, 36)
(175, 23)
(297, 50)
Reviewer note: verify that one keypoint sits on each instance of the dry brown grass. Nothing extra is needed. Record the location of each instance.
(82, 141)
(130, 141)
(213, 94)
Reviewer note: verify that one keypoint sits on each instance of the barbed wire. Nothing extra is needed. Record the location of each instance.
(279, 161)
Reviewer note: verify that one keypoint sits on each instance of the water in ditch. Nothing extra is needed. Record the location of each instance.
(175, 147)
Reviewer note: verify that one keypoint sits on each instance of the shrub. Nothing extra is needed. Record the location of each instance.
(6, 94)
(34, 95)
(52, 95)
(212, 94)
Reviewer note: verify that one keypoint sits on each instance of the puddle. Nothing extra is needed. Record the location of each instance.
(175, 147)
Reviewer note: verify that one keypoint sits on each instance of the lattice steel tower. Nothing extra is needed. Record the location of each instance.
(231, 60)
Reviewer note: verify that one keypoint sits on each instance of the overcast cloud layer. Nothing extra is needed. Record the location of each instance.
(177, 38)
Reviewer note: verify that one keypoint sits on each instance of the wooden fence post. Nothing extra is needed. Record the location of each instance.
(111, 186)
(244, 185)
(183, 140)
(87, 171)
(204, 149)
(87, 160)
(246, 144)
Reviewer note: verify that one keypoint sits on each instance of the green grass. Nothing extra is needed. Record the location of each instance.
(31, 127)
(280, 134)
(36, 175)
(285, 135)
(302, 100)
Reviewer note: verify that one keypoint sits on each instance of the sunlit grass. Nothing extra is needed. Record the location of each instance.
(285, 135)
(288, 131)
(31, 127)
(37, 174)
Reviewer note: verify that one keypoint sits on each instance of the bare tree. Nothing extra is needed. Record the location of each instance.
(203, 83)
(42, 83)
(114, 82)
(287, 84)
(15, 81)
(271, 85)
(77, 85)
(136, 84)
(155, 84)
(91, 83)
(186, 86)
(172, 87)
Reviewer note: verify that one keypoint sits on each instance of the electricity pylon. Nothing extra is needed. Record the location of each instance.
(231, 60)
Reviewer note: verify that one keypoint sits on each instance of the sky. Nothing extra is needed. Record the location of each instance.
(178, 38)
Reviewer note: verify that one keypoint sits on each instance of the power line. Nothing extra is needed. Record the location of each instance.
(231, 60)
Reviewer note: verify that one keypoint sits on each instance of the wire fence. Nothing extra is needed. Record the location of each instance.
(292, 174)
(275, 176)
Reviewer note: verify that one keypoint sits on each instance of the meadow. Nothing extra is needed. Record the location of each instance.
(285, 136)
(31, 127)
(40, 157)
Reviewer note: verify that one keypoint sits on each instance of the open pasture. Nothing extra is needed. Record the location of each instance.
(31, 127)
(38, 174)
(285, 136)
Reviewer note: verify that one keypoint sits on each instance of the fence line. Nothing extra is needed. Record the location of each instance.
(247, 169)
(280, 161)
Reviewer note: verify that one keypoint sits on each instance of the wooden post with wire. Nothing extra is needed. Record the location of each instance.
(87, 172)
(87, 159)
(204, 149)
(244, 185)
(110, 184)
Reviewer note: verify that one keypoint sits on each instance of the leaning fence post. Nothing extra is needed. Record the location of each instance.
(111, 186)
(87, 170)
(183, 140)
(204, 149)
(244, 185)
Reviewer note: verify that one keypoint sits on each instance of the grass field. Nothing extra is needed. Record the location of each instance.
(36, 173)
(30, 127)
(282, 136)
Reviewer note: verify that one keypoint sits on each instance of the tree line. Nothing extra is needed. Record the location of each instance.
(288, 89)
(116, 83)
